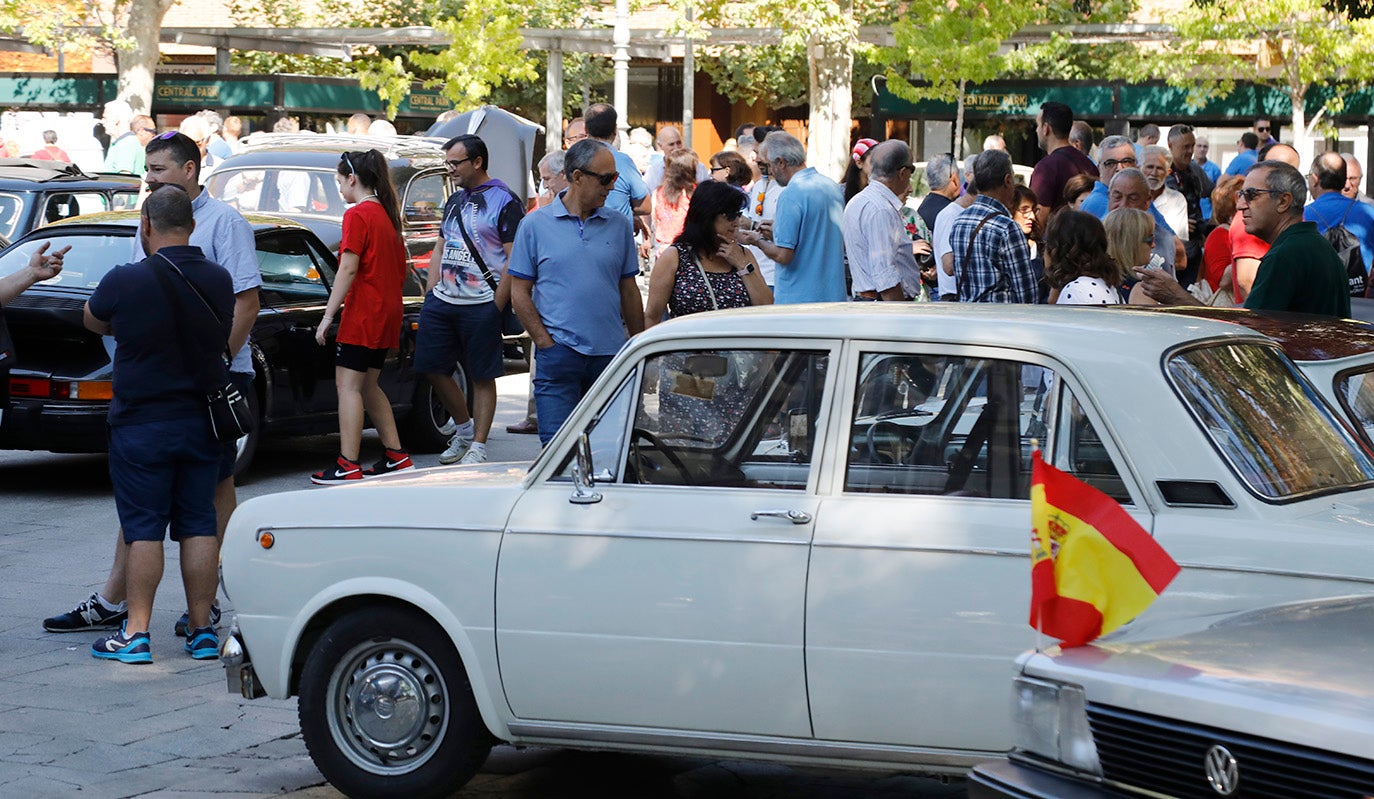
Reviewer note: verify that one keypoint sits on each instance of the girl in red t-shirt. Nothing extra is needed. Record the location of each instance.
(372, 267)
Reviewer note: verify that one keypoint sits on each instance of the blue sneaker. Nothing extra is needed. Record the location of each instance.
(203, 644)
(183, 626)
(124, 647)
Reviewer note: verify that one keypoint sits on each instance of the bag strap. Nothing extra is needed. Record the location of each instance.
(710, 291)
(228, 356)
(969, 254)
(472, 250)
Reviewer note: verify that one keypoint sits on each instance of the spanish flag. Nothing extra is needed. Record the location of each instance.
(1092, 567)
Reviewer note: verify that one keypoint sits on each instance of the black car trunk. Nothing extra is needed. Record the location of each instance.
(51, 340)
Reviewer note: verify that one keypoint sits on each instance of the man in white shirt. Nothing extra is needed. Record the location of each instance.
(763, 202)
(1170, 202)
(882, 263)
(947, 284)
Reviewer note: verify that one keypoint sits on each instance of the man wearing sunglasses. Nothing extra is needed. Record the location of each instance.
(572, 273)
(1301, 273)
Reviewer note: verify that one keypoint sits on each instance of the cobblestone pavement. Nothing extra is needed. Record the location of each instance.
(71, 725)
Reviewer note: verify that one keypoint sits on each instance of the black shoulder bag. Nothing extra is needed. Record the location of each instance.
(230, 415)
(510, 323)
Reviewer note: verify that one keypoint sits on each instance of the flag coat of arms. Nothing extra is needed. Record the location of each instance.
(1093, 568)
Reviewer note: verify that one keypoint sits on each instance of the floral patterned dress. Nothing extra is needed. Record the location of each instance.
(690, 294)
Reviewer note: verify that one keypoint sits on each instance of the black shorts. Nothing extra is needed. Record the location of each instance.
(358, 358)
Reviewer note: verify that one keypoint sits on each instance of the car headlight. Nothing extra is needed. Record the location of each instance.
(1052, 722)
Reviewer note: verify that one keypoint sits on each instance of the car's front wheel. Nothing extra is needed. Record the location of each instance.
(386, 708)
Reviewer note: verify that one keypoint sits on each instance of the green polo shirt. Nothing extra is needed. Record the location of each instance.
(1301, 273)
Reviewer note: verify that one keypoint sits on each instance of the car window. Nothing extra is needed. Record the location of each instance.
(606, 435)
(90, 258)
(279, 191)
(1356, 392)
(65, 206)
(291, 269)
(424, 200)
(1268, 421)
(1080, 451)
(951, 425)
(725, 418)
(10, 210)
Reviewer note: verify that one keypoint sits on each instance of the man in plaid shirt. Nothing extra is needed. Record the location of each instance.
(992, 259)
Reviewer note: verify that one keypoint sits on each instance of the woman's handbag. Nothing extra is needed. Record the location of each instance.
(231, 417)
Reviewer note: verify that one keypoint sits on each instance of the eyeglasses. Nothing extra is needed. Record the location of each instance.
(716, 169)
(911, 167)
(145, 130)
(349, 162)
(454, 164)
(605, 179)
(1119, 162)
(1249, 195)
(574, 139)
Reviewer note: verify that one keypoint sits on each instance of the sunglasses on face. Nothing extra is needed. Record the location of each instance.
(731, 216)
(1249, 195)
(1262, 128)
(605, 179)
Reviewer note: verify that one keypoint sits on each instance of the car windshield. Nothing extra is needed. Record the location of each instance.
(1268, 421)
(92, 255)
(1355, 388)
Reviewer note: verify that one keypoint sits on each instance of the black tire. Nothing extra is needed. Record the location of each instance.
(386, 708)
(420, 428)
(248, 445)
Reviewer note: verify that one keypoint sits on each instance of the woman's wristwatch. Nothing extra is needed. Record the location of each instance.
(747, 269)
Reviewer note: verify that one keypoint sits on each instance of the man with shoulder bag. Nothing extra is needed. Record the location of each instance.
(467, 303)
(164, 452)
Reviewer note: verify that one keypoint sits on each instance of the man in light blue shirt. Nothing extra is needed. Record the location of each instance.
(1115, 153)
(572, 271)
(808, 231)
(1248, 155)
(630, 191)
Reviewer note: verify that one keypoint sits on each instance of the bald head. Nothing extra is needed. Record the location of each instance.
(1282, 153)
(1328, 173)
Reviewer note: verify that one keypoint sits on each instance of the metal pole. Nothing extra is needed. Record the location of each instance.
(689, 84)
(620, 38)
(553, 101)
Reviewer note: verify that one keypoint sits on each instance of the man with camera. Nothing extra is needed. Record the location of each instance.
(882, 256)
(164, 457)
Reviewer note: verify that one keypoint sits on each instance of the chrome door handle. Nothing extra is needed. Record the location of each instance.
(793, 516)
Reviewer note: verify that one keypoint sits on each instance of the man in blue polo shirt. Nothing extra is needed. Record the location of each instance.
(808, 232)
(629, 191)
(573, 270)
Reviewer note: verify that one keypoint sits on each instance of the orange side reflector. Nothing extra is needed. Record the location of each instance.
(266, 540)
(92, 390)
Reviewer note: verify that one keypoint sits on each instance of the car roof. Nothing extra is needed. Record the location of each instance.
(318, 150)
(1075, 333)
(129, 220)
(25, 174)
(1304, 337)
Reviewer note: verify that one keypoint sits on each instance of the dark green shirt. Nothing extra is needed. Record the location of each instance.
(1301, 273)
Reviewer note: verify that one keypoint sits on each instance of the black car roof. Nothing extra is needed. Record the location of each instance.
(26, 174)
(129, 220)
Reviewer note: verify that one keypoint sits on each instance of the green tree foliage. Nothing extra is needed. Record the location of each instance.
(949, 44)
(1064, 59)
(1301, 44)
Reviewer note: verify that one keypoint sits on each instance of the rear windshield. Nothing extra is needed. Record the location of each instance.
(90, 258)
(1268, 421)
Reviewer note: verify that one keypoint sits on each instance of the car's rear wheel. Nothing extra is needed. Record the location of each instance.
(421, 430)
(386, 708)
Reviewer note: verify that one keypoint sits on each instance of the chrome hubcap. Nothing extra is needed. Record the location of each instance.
(389, 706)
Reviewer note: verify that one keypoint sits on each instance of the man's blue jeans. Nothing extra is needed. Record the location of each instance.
(561, 376)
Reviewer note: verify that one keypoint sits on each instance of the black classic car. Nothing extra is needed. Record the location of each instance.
(34, 193)
(61, 384)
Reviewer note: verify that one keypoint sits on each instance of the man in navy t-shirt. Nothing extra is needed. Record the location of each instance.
(170, 316)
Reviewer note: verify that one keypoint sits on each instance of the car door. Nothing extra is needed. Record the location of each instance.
(675, 601)
(422, 209)
(918, 596)
(296, 276)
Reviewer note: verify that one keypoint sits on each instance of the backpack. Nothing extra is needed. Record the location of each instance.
(1348, 250)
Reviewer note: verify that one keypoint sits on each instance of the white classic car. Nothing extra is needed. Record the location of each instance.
(1269, 703)
(798, 533)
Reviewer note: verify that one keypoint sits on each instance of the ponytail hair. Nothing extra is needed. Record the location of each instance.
(371, 169)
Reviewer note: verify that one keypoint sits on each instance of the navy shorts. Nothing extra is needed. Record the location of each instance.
(449, 333)
(359, 358)
(164, 473)
(229, 451)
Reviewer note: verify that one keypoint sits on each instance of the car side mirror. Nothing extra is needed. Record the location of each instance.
(583, 483)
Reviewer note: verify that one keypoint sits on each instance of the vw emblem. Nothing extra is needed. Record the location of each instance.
(1223, 773)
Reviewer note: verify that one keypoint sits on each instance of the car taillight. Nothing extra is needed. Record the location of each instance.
(29, 387)
(82, 389)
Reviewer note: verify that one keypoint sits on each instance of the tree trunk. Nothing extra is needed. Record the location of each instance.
(136, 65)
(832, 72)
(959, 123)
(1302, 142)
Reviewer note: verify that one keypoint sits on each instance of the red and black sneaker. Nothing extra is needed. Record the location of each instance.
(395, 460)
(343, 471)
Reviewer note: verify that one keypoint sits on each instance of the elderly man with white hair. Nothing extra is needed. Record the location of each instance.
(125, 153)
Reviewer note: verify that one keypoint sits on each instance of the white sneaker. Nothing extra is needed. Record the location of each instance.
(457, 448)
(473, 455)
(450, 427)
